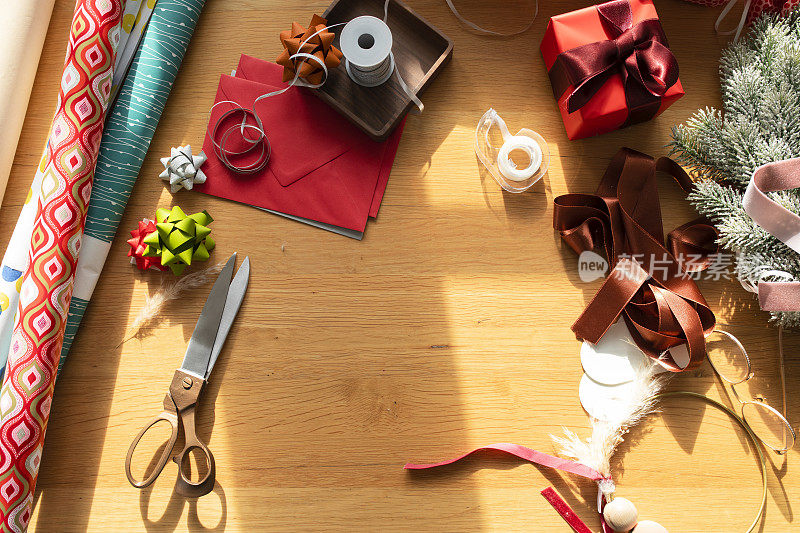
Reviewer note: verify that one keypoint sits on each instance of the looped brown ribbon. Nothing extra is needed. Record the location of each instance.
(660, 303)
(639, 53)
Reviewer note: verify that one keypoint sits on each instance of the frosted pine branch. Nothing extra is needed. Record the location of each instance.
(759, 122)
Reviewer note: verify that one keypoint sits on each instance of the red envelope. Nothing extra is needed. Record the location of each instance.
(254, 69)
(318, 170)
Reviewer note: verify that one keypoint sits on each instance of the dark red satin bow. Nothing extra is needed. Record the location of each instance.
(640, 54)
(661, 305)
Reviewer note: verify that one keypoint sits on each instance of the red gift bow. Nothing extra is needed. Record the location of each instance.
(639, 53)
(145, 228)
(662, 305)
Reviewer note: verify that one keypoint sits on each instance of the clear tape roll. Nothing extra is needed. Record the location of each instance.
(498, 160)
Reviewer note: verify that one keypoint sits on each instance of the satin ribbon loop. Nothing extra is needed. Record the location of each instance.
(648, 285)
(640, 53)
(782, 293)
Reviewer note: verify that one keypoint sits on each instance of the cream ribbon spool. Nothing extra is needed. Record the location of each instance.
(366, 44)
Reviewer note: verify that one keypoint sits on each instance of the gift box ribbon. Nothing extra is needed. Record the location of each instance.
(659, 301)
(639, 53)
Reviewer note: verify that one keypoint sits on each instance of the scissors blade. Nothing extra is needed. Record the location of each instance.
(198, 352)
(232, 304)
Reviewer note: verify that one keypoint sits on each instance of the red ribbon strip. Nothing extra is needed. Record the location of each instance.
(639, 53)
(660, 303)
(535, 457)
(526, 454)
(566, 512)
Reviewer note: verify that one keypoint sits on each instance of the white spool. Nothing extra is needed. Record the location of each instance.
(366, 44)
(525, 144)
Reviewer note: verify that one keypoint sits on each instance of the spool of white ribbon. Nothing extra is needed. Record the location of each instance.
(498, 161)
(366, 44)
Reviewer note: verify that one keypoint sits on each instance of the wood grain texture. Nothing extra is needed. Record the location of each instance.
(446, 328)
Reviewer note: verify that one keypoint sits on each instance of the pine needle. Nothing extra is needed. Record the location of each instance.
(759, 123)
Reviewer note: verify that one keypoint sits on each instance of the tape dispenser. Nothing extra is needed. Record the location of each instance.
(498, 159)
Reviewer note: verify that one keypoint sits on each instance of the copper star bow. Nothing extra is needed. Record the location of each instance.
(661, 304)
(639, 53)
(319, 46)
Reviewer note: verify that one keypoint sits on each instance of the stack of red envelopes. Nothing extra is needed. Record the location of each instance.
(323, 170)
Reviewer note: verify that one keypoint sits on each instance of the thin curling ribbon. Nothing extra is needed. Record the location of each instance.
(661, 305)
(751, 10)
(480, 29)
(73, 145)
(221, 141)
(784, 294)
(222, 138)
(639, 53)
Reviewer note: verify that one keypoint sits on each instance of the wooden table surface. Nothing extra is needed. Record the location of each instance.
(447, 327)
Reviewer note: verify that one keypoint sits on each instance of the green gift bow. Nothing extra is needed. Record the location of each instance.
(180, 239)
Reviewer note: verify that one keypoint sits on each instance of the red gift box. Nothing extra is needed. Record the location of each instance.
(610, 66)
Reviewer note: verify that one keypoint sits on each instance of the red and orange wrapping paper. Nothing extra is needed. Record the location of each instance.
(617, 49)
(68, 168)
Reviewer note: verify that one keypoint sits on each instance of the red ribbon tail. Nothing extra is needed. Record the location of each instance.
(566, 512)
(526, 454)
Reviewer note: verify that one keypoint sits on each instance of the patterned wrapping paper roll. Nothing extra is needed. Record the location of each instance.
(129, 130)
(24, 30)
(66, 185)
(19, 56)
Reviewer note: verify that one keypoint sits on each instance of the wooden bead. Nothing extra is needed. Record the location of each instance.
(620, 515)
(648, 526)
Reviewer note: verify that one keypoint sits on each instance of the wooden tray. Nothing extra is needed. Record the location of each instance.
(420, 51)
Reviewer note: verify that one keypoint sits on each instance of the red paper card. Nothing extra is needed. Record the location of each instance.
(254, 69)
(339, 173)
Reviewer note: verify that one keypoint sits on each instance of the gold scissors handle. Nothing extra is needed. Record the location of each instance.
(170, 415)
(179, 403)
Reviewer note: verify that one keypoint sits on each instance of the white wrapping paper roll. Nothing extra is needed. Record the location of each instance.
(24, 29)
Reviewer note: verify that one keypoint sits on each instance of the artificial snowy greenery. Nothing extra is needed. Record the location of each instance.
(759, 123)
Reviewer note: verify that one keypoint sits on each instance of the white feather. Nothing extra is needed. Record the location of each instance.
(153, 305)
(597, 451)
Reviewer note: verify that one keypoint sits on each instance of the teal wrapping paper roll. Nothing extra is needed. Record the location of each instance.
(129, 129)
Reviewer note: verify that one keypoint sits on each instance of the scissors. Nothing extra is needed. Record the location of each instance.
(180, 402)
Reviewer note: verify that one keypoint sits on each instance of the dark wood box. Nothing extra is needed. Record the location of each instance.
(420, 51)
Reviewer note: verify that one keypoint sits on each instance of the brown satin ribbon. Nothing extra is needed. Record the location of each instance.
(661, 305)
(639, 53)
